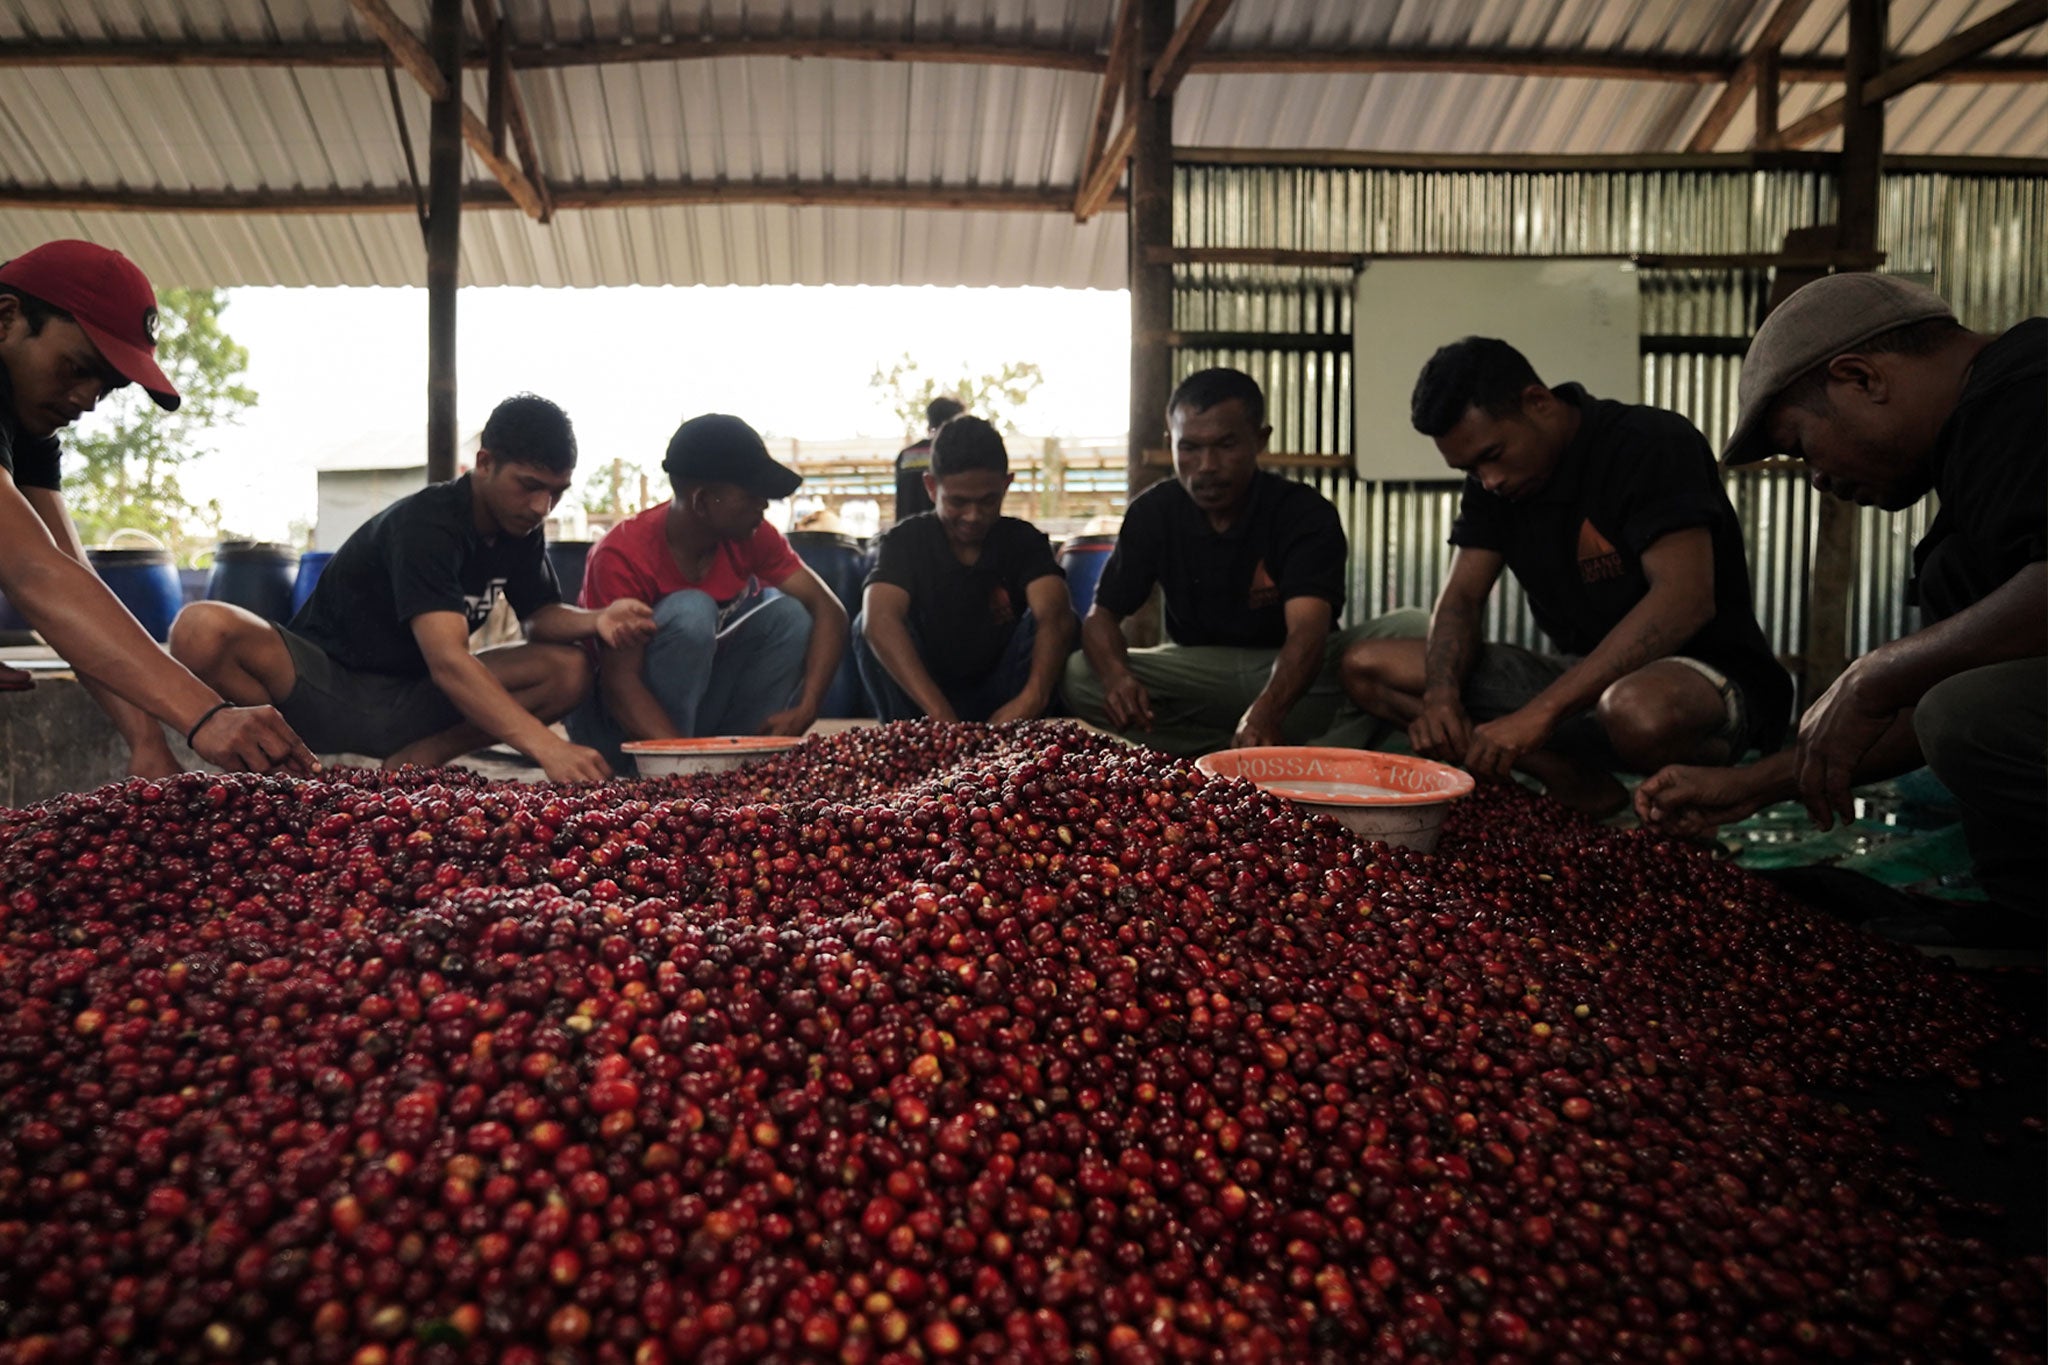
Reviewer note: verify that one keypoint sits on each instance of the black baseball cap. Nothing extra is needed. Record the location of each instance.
(717, 448)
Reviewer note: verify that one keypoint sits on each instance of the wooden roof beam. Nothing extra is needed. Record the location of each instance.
(1190, 36)
(1775, 30)
(1901, 76)
(1115, 70)
(486, 195)
(507, 112)
(409, 52)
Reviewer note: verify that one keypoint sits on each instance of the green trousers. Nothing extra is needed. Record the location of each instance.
(1200, 692)
(1984, 732)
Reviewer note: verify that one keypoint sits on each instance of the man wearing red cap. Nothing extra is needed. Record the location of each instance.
(78, 321)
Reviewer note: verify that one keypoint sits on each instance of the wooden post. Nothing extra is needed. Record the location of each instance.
(1767, 84)
(444, 240)
(1860, 191)
(1151, 226)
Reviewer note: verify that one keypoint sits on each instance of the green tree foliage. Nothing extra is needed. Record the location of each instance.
(997, 397)
(130, 452)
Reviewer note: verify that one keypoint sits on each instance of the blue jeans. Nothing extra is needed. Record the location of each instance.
(970, 701)
(711, 677)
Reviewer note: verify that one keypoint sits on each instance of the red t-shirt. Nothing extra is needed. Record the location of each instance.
(633, 560)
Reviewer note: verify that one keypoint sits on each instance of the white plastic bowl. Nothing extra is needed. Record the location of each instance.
(715, 754)
(1390, 797)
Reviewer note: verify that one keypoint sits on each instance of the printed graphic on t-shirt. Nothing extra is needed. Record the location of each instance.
(478, 607)
(999, 605)
(1598, 559)
(1265, 592)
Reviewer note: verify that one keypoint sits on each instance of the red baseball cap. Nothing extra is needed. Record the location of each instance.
(109, 298)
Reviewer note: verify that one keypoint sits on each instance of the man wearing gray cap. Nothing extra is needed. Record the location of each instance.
(1875, 385)
(746, 637)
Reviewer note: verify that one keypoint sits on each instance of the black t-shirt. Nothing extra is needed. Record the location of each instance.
(1989, 463)
(964, 614)
(1631, 476)
(1228, 588)
(912, 462)
(31, 461)
(422, 553)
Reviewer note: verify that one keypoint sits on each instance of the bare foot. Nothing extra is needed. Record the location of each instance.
(15, 680)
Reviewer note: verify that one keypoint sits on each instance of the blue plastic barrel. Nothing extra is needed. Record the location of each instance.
(192, 585)
(568, 557)
(146, 582)
(256, 575)
(1083, 558)
(310, 565)
(843, 562)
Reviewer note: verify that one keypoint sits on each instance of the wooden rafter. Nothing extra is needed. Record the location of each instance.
(485, 195)
(1902, 75)
(1772, 37)
(1810, 68)
(507, 112)
(409, 52)
(1100, 152)
(1189, 38)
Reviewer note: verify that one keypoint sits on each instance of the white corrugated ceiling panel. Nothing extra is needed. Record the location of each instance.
(886, 124)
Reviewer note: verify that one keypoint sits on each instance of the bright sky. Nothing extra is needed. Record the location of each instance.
(333, 366)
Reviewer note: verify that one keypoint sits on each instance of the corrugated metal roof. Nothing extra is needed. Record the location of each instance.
(868, 123)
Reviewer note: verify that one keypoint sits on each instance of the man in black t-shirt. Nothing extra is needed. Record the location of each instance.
(1252, 567)
(378, 661)
(78, 321)
(966, 614)
(913, 462)
(1613, 519)
(1872, 381)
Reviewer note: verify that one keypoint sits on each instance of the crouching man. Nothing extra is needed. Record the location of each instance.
(378, 660)
(966, 615)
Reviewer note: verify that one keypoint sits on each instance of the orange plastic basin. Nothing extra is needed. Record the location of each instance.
(1390, 797)
(712, 754)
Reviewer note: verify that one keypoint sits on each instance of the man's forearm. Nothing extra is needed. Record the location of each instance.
(1451, 646)
(1102, 641)
(558, 623)
(88, 626)
(890, 640)
(1653, 629)
(2009, 623)
(1049, 650)
(1294, 670)
(484, 703)
(1775, 777)
(821, 656)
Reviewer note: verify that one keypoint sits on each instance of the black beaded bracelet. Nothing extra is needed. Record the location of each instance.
(193, 733)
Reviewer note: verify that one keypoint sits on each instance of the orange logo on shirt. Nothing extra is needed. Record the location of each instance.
(1265, 592)
(1598, 559)
(999, 605)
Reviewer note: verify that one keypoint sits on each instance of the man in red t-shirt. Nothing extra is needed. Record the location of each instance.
(746, 637)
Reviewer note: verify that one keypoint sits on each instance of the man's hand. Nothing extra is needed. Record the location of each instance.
(791, 723)
(254, 739)
(1128, 704)
(1443, 731)
(1499, 744)
(1256, 729)
(1835, 735)
(566, 762)
(1023, 706)
(625, 622)
(15, 679)
(1694, 802)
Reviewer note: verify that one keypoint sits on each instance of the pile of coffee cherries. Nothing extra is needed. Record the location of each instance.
(948, 1042)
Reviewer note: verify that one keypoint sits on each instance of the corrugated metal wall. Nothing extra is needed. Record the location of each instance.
(1979, 239)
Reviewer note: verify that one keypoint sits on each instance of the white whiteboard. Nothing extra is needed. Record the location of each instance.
(1577, 321)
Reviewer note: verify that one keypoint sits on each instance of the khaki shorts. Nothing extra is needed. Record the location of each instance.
(1506, 678)
(341, 710)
